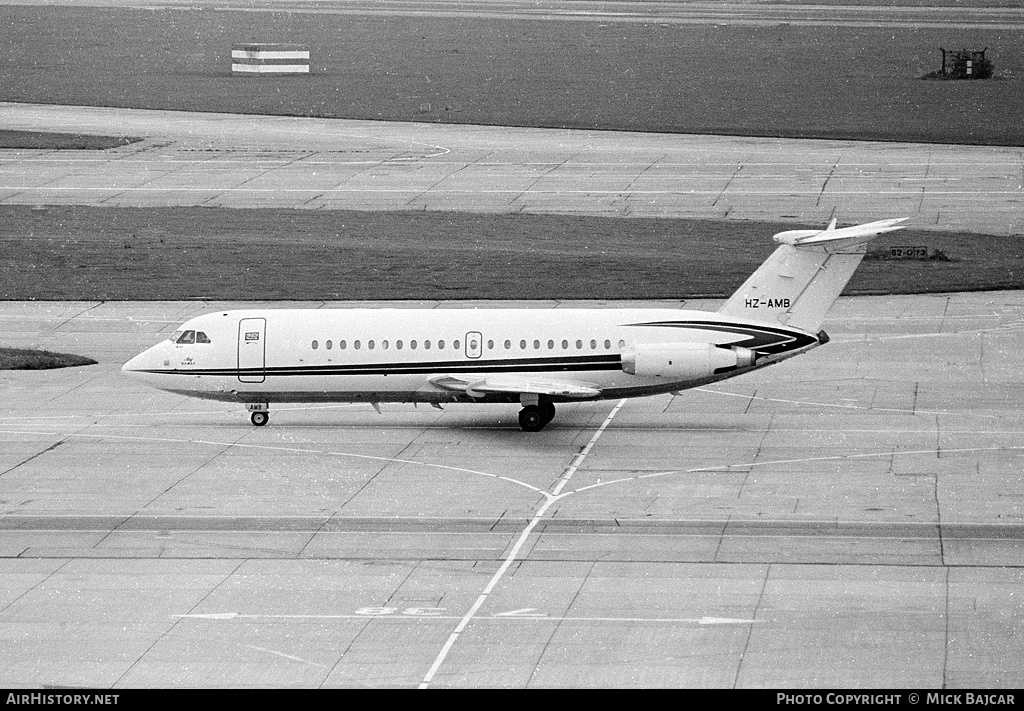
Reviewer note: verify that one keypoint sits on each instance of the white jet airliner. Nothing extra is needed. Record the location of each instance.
(534, 357)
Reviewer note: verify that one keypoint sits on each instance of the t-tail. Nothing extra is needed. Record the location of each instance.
(799, 282)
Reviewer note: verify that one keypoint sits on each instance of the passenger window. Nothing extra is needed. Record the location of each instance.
(622, 343)
(440, 344)
(315, 345)
(565, 345)
(412, 344)
(426, 344)
(455, 345)
(522, 344)
(370, 345)
(384, 345)
(536, 345)
(593, 343)
(607, 344)
(579, 345)
(342, 345)
(187, 337)
(398, 345)
(328, 344)
(508, 345)
(357, 345)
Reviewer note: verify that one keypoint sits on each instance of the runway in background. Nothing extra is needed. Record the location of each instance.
(822, 14)
(220, 160)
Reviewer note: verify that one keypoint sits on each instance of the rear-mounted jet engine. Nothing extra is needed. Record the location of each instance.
(685, 361)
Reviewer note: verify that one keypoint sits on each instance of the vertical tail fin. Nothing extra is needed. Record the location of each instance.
(799, 282)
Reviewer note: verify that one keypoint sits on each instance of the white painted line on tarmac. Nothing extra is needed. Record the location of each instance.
(279, 448)
(888, 453)
(990, 195)
(550, 498)
(70, 418)
(504, 616)
(804, 460)
(866, 408)
(867, 455)
(286, 656)
(521, 613)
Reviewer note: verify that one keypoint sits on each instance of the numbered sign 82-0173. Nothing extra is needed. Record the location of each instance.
(908, 252)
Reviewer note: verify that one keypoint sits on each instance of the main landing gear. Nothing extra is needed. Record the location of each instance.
(533, 418)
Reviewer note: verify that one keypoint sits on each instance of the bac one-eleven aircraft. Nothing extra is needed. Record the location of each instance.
(534, 357)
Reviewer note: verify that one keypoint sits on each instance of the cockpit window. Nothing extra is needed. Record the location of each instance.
(190, 337)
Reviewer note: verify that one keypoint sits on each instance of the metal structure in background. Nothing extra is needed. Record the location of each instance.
(965, 64)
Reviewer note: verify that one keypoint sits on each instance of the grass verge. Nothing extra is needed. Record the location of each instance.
(87, 253)
(31, 359)
(45, 140)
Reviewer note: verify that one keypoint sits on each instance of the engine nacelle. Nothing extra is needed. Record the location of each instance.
(685, 361)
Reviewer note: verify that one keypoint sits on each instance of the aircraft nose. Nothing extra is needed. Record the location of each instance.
(143, 361)
(132, 366)
(129, 366)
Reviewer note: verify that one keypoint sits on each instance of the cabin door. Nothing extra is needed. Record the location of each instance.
(252, 350)
(474, 344)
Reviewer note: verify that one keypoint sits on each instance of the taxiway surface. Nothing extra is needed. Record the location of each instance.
(852, 518)
(221, 160)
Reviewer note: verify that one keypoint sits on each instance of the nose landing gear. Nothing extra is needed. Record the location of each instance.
(260, 413)
(533, 418)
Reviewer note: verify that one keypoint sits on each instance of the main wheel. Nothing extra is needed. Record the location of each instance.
(548, 409)
(531, 418)
(260, 418)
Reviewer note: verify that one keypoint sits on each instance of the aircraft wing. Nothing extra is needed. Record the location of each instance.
(478, 387)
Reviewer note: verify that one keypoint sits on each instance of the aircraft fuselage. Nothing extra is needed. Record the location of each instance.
(435, 356)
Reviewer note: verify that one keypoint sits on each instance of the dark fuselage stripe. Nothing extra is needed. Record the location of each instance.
(529, 365)
(763, 339)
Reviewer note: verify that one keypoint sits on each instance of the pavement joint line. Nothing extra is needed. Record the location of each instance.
(34, 456)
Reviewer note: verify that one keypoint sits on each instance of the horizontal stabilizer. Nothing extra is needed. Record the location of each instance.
(854, 234)
(479, 387)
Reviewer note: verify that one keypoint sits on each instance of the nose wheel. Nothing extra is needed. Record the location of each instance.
(533, 418)
(259, 418)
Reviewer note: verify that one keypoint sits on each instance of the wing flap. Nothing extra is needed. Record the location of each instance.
(479, 387)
